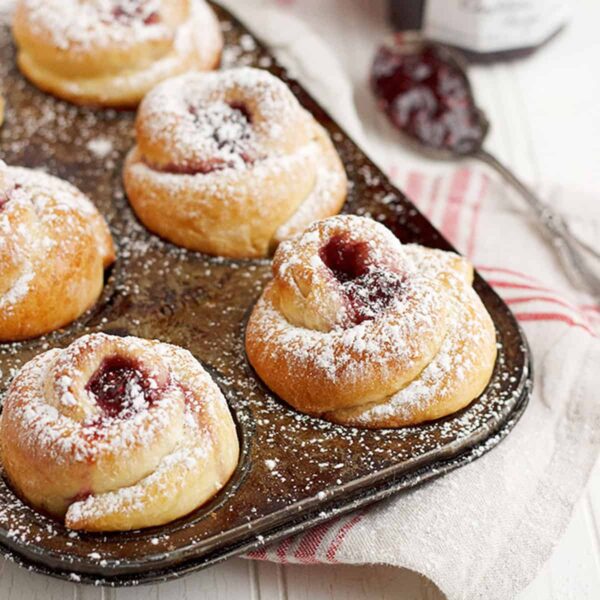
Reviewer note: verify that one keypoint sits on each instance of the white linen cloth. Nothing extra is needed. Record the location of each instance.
(484, 530)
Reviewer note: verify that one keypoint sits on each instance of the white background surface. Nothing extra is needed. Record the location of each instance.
(546, 125)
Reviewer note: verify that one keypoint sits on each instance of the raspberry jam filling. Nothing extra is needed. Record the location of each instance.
(427, 96)
(225, 136)
(368, 290)
(347, 259)
(121, 388)
(132, 10)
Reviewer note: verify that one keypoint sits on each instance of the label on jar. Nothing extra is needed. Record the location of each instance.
(493, 25)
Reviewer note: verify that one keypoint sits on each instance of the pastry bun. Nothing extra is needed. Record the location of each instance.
(362, 330)
(229, 163)
(111, 52)
(116, 434)
(54, 248)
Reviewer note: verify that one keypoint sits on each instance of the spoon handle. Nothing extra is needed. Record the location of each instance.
(555, 228)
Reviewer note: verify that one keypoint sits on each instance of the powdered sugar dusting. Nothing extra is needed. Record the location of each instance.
(101, 147)
(135, 497)
(336, 353)
(19, 290)
(204, 117)
(71, 23)
(152, 40)
(64, 440)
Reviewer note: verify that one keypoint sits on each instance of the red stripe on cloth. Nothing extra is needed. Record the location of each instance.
(282, 549)
(518, 286)
(433, 197)
(551, 299)
(507, 272)
(475, 216)
(592, 307)
(553, 317)
(550, 296)
(258, 554)
(414, 187)
(311, 541)
(456, 197)
(339, 538)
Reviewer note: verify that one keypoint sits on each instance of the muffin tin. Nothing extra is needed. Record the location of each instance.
(295, 471)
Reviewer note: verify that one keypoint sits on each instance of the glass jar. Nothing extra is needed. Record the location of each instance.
(485, 30)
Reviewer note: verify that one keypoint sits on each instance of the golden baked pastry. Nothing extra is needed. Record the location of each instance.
(116, 433)
(111, 52)
(362, 330)
(1, 110)
(54, 248)
(230, 164)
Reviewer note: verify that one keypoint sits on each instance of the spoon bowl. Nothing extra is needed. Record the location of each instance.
(424, 89)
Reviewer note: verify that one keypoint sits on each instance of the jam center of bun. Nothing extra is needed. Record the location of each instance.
(367, 288)
(346, 259)
(370, 294)
(121, 389)
(428, 97)
(135, 10)
(224, 133)
(228, 127)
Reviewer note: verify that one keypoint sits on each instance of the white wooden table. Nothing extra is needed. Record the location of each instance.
(546, 125)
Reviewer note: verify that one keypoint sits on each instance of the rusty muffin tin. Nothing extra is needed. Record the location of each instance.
(294, 471)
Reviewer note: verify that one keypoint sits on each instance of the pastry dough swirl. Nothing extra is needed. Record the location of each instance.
(230, 164)
(116, 433)
(365, 331)
(111, 52)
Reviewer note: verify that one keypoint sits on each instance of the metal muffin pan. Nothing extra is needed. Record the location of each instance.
(295, 471)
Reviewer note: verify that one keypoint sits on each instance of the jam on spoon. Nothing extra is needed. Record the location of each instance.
(427, 96)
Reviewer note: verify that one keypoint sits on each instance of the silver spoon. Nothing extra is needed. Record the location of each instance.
(575, 254)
